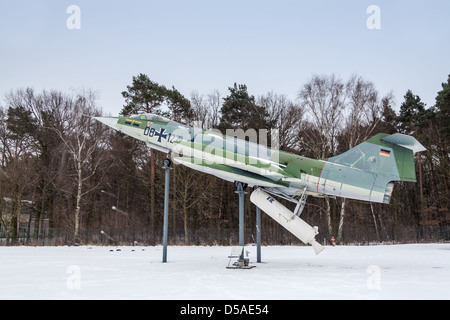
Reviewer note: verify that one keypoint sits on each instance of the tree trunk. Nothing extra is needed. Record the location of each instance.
(341, 221)
(174, 201)
(5, 231)
(186, 231)
(375, 222)
(382, 226)
(328, 213)
(78, 202)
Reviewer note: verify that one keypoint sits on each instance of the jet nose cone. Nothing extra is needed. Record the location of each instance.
(109, 121)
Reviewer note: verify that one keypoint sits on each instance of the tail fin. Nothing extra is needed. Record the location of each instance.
(379, 161)
(389, 155)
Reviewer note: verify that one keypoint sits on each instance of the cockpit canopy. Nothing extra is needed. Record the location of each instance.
(150, 117)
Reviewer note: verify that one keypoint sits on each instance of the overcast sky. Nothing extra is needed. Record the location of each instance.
(210, 44)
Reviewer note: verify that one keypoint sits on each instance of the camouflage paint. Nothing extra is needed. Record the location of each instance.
(365, 172)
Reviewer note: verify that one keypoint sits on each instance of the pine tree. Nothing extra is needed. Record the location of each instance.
(241, 111)
(412, 114)
(143, 95)
(146, 96)
(443, 110)
(180, 107)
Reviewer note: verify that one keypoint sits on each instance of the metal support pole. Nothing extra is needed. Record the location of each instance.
(258, 235)
(167, 164)
(242, 193)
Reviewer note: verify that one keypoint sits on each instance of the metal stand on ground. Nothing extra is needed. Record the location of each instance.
(166, 166)
(238, 252)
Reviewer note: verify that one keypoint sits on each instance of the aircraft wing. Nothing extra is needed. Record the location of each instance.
(228, 172)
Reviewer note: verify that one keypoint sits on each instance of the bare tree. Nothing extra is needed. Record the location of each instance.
(83, 139)
(363, 112)
(215, 104)
(285, 115)
(187, 196)
(200, 109)
(339, 117)
(206, 109)
(323, 99)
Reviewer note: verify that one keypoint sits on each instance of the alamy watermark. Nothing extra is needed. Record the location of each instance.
(374, 280)
(73, 21)
(74, 279)
(374, 20)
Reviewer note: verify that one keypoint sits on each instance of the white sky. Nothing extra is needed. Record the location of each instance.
(210, 44)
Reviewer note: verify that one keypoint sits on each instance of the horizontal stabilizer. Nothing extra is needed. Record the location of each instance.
(405, 141)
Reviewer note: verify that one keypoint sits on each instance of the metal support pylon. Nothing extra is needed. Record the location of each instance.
(258, 235)
(241, 192)
(166, 166)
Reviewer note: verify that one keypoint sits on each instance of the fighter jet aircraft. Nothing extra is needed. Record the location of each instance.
(366, 172)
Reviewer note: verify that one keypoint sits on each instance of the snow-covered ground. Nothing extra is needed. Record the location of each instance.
(199, 273)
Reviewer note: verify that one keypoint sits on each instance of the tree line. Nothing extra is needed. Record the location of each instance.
(89, 184)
